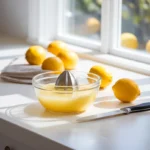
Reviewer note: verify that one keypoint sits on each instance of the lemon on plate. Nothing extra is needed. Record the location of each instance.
(53, 63)
(70, 59)
(56, 47)
(129, 40)
(35, 55)
(126, 90)
(106, 77)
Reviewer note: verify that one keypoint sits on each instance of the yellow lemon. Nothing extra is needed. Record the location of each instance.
(56, 47)
(53, 63)
(35, 55)
(129, 40)
(126, 90)
(106, 78)
(148, 46)
(70, 59)
(92, 25)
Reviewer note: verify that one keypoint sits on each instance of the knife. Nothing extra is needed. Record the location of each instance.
(125, 110)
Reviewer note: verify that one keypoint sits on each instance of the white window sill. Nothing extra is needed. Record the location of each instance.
(7, 45)
(118, 62)
(109, 59)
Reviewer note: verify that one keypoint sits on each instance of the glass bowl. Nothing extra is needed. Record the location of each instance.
(66, 99)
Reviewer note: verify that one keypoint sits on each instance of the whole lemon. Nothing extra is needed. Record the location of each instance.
(70, 59)
(35, 55)
(56, 47)
(53, 63)
(92, 25)
(129, 40)
(126, 90)
(148, 46)
(106, 78)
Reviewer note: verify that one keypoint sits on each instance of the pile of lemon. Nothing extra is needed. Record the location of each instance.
(129, 40)
(125, 90)
(63, 58)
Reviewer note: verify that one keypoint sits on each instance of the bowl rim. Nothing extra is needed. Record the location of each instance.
(75, 87)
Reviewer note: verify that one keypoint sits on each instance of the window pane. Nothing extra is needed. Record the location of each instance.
(83, 18)
(136, 25)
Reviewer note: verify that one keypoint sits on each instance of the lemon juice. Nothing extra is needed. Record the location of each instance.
(65, 101)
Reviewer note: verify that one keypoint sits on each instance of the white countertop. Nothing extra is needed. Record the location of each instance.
(130, 132)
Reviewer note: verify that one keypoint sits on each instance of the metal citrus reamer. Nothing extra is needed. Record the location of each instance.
(67, 80)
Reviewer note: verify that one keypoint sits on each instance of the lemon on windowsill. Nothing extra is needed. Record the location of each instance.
(148, 46)
(106, 77)
(56, 47)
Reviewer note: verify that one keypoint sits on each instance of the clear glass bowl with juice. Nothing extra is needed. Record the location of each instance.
(66, 99)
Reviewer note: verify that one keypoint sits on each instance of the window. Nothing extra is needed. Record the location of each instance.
(117, 27)
(133, 32)
(82, 19)
(136, 24)
(80, 22)
(120, 27)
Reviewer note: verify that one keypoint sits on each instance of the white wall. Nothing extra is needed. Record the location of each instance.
(14, 17)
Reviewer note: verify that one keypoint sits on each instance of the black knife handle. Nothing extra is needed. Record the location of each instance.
(137, 108)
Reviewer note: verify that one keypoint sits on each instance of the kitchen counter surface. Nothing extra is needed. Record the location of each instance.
(129, 132)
